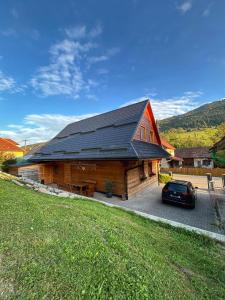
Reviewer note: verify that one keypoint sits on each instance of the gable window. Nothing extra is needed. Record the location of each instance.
(142, 133)
(152, 136)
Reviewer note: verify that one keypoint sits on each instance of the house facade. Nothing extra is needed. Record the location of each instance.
(172, 161)
(122, 147)
(196, 157)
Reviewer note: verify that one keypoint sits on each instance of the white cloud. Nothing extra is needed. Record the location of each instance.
(34, 34)
(6, 82)
(27, 33)
(76, 32)
(96, 31)
(108, 54)
(66, 74)
(185, 7)
(8, 32)
(113, 51)
(207, 11)
(63, 76)
(96, 59)
(92, 97)
(102, 71)
(14, 13)
(79, 32)
(164, 108)
(38, 128)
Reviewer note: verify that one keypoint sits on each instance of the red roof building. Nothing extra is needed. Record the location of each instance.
(10, 146)
(166, 145)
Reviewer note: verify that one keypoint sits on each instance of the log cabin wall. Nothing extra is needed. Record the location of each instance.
(135, 182)
(99, 171)
(35, 172)
(63, 173)
(13, 171)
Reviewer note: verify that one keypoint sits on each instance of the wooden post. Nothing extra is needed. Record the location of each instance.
(171, 174)
(223, 180)
(209, 178)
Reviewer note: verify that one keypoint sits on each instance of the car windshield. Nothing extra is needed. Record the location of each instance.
(176, 187)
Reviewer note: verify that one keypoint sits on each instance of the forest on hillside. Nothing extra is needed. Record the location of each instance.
(205, 116)
(194, 137)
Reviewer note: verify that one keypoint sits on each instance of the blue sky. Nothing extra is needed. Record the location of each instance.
(61, 61)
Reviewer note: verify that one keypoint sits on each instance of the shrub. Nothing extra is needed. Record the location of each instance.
(6, 159)
(109, 186)
(164, 178)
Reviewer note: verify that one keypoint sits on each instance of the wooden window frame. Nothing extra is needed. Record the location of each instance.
(152, 136)
(143, 138)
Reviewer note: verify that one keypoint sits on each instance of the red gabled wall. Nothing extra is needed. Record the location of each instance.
(148, 122)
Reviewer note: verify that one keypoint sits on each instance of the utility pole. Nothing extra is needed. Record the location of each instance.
(25, 145)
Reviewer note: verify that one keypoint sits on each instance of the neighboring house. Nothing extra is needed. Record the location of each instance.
(121, 147)
(172, 161)
(9, 147)
(198, 157)
(24, 167)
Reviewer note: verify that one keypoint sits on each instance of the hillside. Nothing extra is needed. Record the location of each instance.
(56, 248)
(207, 115)
(194, 137)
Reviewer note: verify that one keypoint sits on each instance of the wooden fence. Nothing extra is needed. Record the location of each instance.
(217, 172)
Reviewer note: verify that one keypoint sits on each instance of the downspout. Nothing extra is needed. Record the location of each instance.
(126, 189)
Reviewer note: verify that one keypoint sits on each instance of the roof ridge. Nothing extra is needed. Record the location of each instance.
(110, 111)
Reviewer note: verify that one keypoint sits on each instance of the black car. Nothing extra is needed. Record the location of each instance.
(179, 192)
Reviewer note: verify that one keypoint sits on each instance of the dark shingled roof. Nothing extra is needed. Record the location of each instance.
(195, 152)
(105, 136)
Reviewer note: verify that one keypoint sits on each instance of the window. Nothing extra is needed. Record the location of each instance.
(206, 162)
(181, 188)
(152, 136)
(142, 133)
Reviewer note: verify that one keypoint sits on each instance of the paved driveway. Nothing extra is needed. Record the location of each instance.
(199, 181)
(149, 201)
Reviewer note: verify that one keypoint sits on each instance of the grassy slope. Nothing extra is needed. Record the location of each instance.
(54, 248)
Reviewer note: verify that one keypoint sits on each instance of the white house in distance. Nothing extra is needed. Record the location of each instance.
(173, 161)
(197, 157)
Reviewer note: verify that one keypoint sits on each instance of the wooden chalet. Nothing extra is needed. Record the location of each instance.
(121, 146)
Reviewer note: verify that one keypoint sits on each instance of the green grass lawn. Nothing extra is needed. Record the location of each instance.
(54, 248)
